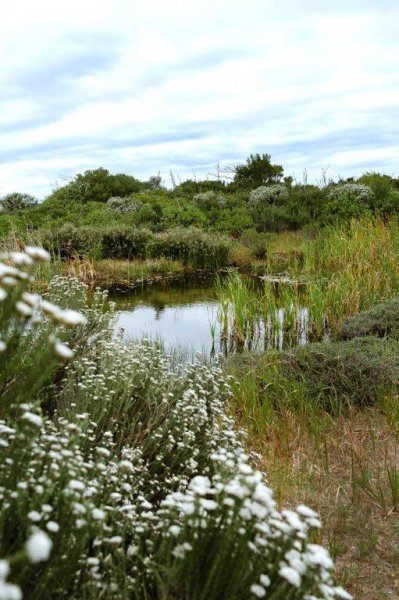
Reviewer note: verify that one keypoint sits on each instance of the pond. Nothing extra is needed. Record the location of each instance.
(187, 316)
(180, 313)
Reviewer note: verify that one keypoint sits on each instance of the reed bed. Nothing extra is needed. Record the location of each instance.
(346, 270)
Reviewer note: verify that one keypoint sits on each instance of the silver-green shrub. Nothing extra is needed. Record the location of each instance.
(124, 205)
(268, 194)
(353, 191)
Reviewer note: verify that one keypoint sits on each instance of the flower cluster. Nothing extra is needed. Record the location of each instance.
(268, 194)
(123, 205)
(355, 191)
(210, 198)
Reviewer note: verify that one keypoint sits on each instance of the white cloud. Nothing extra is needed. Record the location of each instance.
(142, 87)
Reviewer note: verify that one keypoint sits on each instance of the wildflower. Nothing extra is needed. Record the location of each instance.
(52, 526)
(63, 351)
(258, 590)
(33, 418)
(38, 254)
(291, 575)
(38, 546)
(9, 591)
(34, 516)
(98, 514)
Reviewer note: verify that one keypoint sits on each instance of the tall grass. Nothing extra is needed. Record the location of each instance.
(346, 270)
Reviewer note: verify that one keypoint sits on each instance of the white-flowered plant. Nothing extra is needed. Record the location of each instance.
(122, 205)
(125, 477)
(355, 191)
(210, 198)
(268, 194)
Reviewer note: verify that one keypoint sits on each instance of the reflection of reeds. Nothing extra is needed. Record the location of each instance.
(347, 270)
(256, 317)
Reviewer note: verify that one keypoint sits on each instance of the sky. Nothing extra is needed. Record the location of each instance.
(142, 87)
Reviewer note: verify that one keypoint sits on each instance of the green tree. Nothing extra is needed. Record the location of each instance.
(97, 185)
(257, 171)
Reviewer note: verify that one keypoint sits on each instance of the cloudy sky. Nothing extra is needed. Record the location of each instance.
(152, 85)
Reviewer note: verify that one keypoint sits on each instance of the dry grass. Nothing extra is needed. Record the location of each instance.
(341, 467)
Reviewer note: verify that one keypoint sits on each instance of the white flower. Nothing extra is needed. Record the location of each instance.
(265, 580)
(3, 346)
(9, 591)
(3, 294)
(70, 318)
(258, 590)
(75, 484)
(290, 575)
(98, 514)
(38, 254)
(20, 258)
(33, 419)
(63, 351)
(4, 569)
(23, 309)
(38, 546)
(35, 516)
(52, 526)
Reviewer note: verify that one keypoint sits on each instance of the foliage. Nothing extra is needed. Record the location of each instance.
(17, 201)
(271, 194)
(381, 320)
(138, 485)
(257, 171)
(96, 185)
(191, 246)
(351, 372)
(123, 205)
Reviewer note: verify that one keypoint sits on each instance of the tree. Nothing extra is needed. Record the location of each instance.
(257, 171)
(97, 185)
(17, 201)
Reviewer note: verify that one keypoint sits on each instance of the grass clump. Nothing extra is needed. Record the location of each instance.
(124, 477)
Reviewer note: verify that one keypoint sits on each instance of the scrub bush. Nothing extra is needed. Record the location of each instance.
(381, 320)
(352, 372)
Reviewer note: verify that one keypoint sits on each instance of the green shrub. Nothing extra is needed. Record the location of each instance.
(124, 242)
(381, 320)
(70, 242)
(356, 371)
(191, 246)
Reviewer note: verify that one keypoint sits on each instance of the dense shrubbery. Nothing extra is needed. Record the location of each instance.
(381, 320)
(191, 246)
(135, 485)
(256, 198)
(355, 371)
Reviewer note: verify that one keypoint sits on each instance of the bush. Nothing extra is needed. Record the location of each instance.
(381, 320)
(17, 201)
(125, 242)
(271, 194)
(139, 486)
(192, 247)
(355, 372)
(123, 205)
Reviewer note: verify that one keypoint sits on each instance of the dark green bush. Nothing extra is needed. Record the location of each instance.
(70, 242)
(191, 246)
(381, 320)
(355, 372)
(124, 242)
